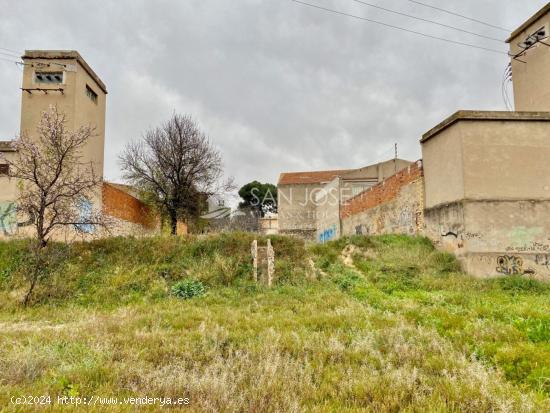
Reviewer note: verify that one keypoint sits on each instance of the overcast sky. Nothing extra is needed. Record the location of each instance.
(276, 85)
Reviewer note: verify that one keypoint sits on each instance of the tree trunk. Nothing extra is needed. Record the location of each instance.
(173, 223)
(35, 272)
(31, 289)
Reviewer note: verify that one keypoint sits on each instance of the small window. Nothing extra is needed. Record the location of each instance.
(4, 169)
(48, 77)
(91, 94)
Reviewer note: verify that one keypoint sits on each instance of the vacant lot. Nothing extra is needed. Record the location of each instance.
(381, 324)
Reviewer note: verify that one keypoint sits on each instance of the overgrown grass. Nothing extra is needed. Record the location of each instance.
(395, 328)
(111, 272)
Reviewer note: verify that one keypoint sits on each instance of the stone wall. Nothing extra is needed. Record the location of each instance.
(393, 206)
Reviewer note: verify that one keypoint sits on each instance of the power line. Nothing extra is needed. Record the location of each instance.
(399, 28)
(9, 55)
(11, 61)
(10, 50)
(428, 21)
(460, 15)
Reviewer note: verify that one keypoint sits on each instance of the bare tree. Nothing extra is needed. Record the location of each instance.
(55, 187)
(177, 165)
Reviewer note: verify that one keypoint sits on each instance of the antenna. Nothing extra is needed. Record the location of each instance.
(395, 158)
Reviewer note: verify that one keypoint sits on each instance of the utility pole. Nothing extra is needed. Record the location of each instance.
(395, 158)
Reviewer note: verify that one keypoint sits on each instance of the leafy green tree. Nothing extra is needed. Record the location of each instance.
(258, 196)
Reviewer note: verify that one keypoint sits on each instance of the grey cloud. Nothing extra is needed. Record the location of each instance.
(277, 86)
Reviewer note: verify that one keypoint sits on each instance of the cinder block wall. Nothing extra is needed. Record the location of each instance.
(393, 206)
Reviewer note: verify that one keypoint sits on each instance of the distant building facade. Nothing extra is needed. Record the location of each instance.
(300, 195)
(64, 79)
(482, 188)
(530, 48)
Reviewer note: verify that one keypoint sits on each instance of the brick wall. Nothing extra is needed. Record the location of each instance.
(395, 205)
(119, 204)
(383, 192)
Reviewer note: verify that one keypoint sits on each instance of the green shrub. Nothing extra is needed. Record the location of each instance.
(188, 289)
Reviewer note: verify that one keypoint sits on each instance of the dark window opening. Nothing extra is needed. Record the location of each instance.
(91, 94)
(49, 77)
(4, 169)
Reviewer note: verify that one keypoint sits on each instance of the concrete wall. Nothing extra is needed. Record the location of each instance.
(8, 192)
(328, 210)
(79, 108)
(531, 77)
(446, 184)
(269, 225)
(297, 209)
(393, 206)
(379, 171)
(313, 210)
(502, 219)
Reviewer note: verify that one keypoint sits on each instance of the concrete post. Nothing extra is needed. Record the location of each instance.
(270, 263)
(254, 251)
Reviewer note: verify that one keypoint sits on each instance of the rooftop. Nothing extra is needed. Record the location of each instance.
(64, 55)
(317, 177)
(310, 177)
(477, 115)
(533, 19)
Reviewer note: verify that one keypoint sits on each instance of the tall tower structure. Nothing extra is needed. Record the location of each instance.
(63, 78)
(530, 51)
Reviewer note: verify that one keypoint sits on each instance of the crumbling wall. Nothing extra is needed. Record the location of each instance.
(393, 206)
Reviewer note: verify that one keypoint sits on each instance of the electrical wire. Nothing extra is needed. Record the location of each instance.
(9, 55)
(506, 78)
(399, 28)
(11, 61)
(461, 15)
(11, 51)
(428, 21)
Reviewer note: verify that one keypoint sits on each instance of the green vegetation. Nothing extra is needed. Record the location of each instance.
(188, 289)
(380, 324)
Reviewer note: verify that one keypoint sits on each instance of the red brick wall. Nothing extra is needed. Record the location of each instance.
(383, 192)
(119, 204)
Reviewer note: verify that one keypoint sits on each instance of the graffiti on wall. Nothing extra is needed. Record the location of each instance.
(543, 260)
(328, 234)
(533, 246)
(509, 265)
(8, 218)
